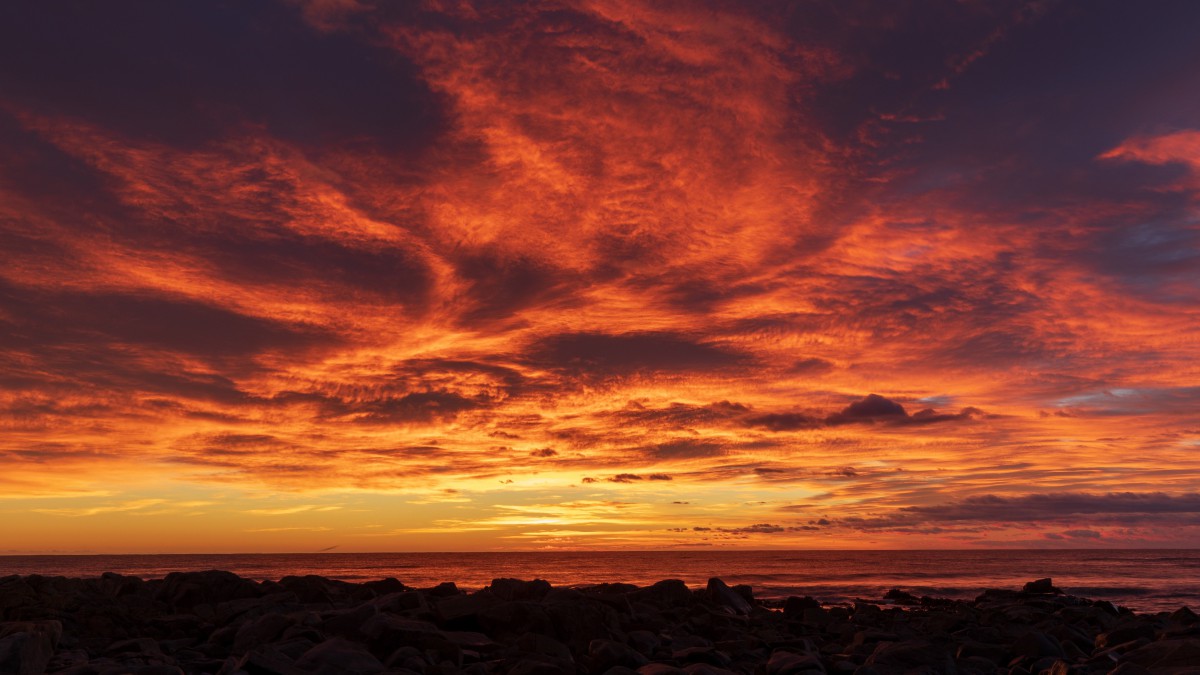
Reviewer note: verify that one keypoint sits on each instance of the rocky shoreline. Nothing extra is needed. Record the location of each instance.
(220, 623)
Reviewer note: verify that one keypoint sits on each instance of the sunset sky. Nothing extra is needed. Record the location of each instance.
(287, 275)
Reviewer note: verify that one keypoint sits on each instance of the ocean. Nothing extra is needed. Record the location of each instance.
(1143, 580)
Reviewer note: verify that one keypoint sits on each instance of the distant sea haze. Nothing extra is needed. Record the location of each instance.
(1143, 580)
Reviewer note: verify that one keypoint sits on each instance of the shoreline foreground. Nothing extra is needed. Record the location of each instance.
(219, 623)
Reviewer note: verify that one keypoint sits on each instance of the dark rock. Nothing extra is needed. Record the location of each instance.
(644, 641)
(157, 670)
(706, 669)
(1184, 615)
(1126, 633)
(348, 623)
(442, 590)
(385, 586)
(52, 630)
(516, 589)
(460, 612)
(685, 641)
(470, 640)
(534, 643)
(724, 596)
(1129, 669)
(116, 585)
(539, 665)
(310, 588)
(707, 655)
(783, 662)
(508, 620)
(403, 602)
(1036, 645)
(339, 655)
(977, 665)
(605, 654)
(25, 652)
(903, 657)
(667, 593)
(660, 669)
(185, 590)
(795, 606)
(582, 621)
(64, 659)
(981, 650)
(385, 633)
(1157, 656)
(408, 657)
(1062, 668)
(609, 589)
(901, 597)
(140, 646)
(259, 631)
(1041, 586)
(815, 617)
(264, 660)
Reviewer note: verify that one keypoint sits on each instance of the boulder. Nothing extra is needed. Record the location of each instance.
(186, 590)
(644, 641)
(516, 589)
(605, 654)
(724, 596)
(1043, 586)
(260, 631)
(461, 612)
(442, 590)
(584, 620)
(712, 657)
(1184, 615)
(794, 606)
(51, 629)
(532, 664)
(900, 597)
(337, 656)
(348, 622)
(508, 620)
(385, 633)
(706, 669)
(666, 593)
(783, 662)
(25, 652)
(910, 655)
(115, 585)
(660, 669)
(402, 602)
(1037, 645)
(1125, 633)
(385, 586)
(534, 643)
(1164, 654)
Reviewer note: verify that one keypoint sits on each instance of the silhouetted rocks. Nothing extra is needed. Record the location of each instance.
(218, 623)
(722, 595)
(1041, 586)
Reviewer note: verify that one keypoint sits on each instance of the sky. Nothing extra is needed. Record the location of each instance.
(295, 275)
